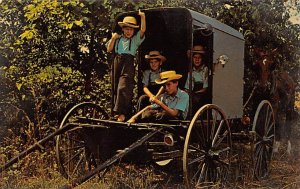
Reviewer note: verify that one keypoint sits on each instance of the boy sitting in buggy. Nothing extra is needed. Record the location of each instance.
(199, 78)
(155, 60)
(172, 104)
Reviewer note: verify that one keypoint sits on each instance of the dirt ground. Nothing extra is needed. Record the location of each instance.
(285, 170)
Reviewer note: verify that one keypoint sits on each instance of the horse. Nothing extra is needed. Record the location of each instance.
(279, 88)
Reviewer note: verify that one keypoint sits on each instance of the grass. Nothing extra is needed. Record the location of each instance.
(285, 173)
(39, 171)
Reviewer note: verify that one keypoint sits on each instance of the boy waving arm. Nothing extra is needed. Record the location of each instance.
(143, 23)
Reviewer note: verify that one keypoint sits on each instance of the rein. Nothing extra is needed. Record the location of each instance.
(252, 92)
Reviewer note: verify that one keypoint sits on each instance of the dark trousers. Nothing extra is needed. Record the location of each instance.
(142, 102)
(198, 100)
(159, 116)
(123, 83)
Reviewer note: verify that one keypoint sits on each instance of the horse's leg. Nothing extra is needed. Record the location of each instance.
(277, 136)
(289, 124)
(279, 122)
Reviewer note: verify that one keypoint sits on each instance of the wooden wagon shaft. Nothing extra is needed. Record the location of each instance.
(149, 94)
(112, 160)
(103, 123)
(132, 119)
(35, 146)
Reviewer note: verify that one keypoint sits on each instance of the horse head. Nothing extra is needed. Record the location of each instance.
(264, 62)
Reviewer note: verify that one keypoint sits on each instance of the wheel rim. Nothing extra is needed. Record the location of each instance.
(207, 148)
(73, 154)
(264, 127)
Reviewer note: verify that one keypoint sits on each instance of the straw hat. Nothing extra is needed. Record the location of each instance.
(197, 49)
(154, 55)
(129, 21)
(167, 76)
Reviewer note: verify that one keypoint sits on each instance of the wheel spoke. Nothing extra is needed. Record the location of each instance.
(258, 163)
(217, 134)
(207, 126)
(269, 139)
(73, 157)
(259, 136)
(270, 129)
(199, 135)
(213, 125)
(226, 164)
(199, 167)
(198, 159)
(202, 175)
(267, 118)
(225, 134)
(77, 165)
(197, 149)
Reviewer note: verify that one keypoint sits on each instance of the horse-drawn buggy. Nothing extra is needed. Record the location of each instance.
(88, 142)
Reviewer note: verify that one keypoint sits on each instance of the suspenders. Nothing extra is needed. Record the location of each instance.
(117, 45)
(149, 78)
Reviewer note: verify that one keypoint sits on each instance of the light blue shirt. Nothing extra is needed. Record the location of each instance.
(200, 75)
(179, 102)
(149, 75)
(122, 44)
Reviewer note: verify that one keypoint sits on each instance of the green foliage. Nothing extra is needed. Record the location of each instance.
(56, 54)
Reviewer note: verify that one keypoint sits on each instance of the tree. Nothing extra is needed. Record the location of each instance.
(54, 49)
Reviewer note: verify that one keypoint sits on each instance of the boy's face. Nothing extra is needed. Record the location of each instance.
(197, 60)
(171, 87)
(128, 32)
(155, 64)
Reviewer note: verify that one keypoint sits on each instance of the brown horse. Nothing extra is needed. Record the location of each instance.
(279, 88)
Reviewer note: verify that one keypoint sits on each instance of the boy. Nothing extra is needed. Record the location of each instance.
(199, 78)
(125, 47)
(149, 76)
(173, 104)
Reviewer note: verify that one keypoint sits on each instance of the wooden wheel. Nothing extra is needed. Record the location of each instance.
(207, 148)
(264, 127)
(75, 157)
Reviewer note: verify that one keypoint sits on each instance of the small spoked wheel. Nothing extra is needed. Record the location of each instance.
(74, 156)
(264, 127)
(207, 148)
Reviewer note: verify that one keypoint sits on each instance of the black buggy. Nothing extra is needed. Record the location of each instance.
(211, 145)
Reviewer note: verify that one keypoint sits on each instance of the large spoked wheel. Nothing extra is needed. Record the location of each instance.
(207, 148)
(74, 156)
(264, 127)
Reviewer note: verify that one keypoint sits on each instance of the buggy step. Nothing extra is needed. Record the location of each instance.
(166, 155)
(153, 144)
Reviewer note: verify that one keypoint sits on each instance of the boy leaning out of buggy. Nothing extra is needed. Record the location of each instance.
(125, 47)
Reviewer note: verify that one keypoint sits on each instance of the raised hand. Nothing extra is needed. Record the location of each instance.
(141, 13)
(115, 36)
